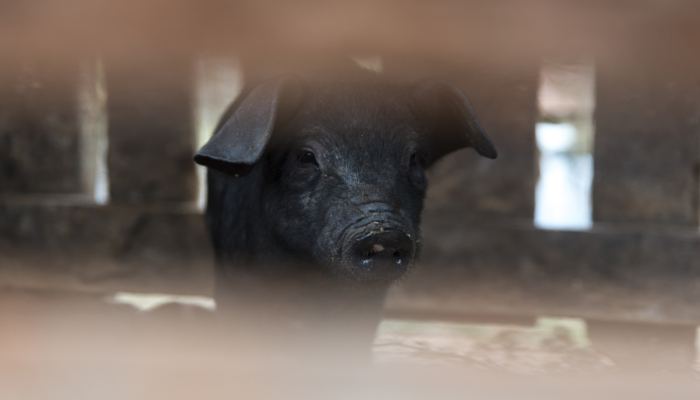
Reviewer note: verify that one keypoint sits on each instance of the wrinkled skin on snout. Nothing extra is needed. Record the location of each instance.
(323, 180)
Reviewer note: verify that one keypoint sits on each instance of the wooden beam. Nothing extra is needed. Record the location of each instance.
(605, 274)
(105, 249)
(476, 269)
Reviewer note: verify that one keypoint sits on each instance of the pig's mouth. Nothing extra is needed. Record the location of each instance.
(376, 250)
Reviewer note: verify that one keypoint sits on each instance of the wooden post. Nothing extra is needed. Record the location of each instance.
(151, 130)
(505, 100)
(39, 128)
(646, 146)
(646, 174)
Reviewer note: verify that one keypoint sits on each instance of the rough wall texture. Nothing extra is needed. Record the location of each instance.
(647, 146)
(39, 128)
(505, 101)
(151, 130)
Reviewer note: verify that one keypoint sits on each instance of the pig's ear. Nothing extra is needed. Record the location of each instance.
(247, 126)
(450, 120)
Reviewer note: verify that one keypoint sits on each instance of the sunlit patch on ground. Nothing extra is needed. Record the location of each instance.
(551, 345)
(151, 301)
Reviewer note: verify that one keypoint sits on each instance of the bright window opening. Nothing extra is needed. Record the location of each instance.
(92, 101)
(565, 144)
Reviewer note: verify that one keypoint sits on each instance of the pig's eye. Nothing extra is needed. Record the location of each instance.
(307, 157)
(416, 161)
(304, 169)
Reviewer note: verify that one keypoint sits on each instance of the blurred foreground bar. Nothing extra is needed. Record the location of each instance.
(511, 30)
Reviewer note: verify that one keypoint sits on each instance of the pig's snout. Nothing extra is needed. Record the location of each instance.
(383, 256)
(379, 246)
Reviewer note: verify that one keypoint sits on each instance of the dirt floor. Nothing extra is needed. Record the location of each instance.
(550, 346)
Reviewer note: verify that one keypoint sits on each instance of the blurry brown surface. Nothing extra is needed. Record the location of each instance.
(62, 346)
(509, 29)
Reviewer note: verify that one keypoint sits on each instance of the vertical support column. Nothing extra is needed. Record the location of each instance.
(506, 103)
(151, 129)
(646, 173)
(468, 192)
(646, 146)
(39, 128)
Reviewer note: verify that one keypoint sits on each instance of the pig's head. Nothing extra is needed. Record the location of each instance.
(344, 165)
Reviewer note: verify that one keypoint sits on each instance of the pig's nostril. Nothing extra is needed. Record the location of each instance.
(398, 258)
(384, 255)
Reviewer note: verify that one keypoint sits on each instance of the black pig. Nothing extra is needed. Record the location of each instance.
(316, 187)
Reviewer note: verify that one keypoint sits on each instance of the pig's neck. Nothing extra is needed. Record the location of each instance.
(242, 236)
(238, 231)
(262, 285)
